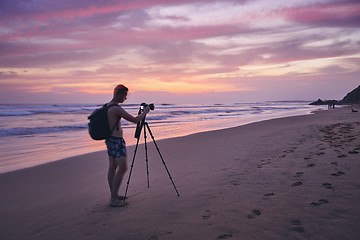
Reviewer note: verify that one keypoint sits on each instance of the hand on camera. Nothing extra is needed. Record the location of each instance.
(147, 109)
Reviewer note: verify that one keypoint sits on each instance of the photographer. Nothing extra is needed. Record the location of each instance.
(115, 144)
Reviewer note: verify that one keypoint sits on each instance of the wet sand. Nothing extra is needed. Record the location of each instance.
(289, 178)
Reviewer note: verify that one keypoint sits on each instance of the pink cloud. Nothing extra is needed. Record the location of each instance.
(80, 34)
(91, 41)
(70, 9)
(338, 14)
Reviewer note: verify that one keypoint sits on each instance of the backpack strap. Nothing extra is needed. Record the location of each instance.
(108, 106)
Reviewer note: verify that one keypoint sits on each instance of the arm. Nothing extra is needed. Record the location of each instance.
(122, 113)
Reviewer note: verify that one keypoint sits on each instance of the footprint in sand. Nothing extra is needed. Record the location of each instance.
(267, 195)
(353, 152)
(295, 184)
(296, 226)
(311, 165)
(327, 186)
(342, 156)
(224, 236)
(339, 173)
(235, 182)
(319, 202)
(207, 215)
(264, 162)
(254, 214)
(155, 237)
(289, 151)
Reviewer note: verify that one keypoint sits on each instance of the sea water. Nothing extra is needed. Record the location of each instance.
(34, 134)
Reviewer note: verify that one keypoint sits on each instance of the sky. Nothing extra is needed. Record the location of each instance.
(172, 51)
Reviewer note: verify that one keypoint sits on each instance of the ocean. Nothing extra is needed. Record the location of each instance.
(35, 134)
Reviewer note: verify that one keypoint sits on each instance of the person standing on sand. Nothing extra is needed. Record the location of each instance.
(115, 144)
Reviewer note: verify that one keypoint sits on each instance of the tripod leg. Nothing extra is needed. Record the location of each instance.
(132, 165)
(146, 158)
(162, 159)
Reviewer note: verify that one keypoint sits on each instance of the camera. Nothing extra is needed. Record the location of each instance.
(144, 105)
(141, 123)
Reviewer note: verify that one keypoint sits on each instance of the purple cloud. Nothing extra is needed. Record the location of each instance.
(331, 14)
(127, 39)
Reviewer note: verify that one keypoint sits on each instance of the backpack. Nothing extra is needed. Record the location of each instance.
(98, 123)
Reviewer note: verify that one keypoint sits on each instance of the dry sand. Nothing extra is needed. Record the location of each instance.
(289, 178)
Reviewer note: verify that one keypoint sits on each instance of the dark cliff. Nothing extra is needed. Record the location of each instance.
(352, 97)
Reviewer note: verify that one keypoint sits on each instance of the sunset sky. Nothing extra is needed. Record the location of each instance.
(172, 51)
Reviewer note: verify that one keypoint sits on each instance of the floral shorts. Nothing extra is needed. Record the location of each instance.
(116, 147)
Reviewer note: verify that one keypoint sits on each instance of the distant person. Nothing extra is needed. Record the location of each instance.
(115, 144)
(331, 104)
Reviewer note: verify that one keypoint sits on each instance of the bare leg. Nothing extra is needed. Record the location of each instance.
(119, 175)
(111, 172)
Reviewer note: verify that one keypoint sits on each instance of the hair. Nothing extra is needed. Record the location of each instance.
(120, 89)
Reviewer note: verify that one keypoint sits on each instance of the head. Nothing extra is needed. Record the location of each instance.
(120, 93)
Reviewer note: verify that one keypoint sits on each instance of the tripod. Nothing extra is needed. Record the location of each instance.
(144, 125)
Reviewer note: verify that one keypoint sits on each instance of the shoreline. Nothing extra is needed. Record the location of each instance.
(58, 151)
(286, 178)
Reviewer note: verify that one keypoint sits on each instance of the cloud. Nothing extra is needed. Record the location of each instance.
(228, 44)
(330, 14)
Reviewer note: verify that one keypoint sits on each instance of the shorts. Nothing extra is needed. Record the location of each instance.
(116, 147)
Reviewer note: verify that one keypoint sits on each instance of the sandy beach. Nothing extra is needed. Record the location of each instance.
(289, 178)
